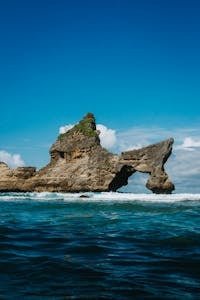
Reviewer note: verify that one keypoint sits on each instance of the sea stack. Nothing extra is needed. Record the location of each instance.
(78, 163)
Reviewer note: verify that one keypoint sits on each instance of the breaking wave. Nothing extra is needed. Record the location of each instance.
(103, 245)
(99, 197)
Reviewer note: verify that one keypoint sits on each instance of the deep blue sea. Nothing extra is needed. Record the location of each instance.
(108, 246)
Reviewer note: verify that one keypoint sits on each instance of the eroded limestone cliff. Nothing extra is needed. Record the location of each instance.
(79, 163)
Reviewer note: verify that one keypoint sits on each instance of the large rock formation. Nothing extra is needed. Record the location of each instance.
(79, 163)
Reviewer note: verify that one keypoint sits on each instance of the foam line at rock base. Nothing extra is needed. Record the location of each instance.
(99, 197)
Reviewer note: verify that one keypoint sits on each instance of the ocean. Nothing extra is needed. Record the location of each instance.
(107, 246)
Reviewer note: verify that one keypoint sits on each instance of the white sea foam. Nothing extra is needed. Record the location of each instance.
(99, 197)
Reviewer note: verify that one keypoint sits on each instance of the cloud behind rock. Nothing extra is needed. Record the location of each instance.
(12, 160)
(107, 136)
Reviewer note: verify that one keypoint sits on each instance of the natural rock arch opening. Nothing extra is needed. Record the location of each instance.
(136, 183)
(121, 178)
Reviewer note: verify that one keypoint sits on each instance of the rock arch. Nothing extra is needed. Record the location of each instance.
(121, 178)
(79, 163)
(150, 160)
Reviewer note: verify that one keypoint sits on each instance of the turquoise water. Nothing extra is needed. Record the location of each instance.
(108, 246)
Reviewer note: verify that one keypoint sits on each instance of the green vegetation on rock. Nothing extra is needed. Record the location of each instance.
(86, 126)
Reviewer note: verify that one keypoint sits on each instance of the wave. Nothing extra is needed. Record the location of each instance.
(99, 197)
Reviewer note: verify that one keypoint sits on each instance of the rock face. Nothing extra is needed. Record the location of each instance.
(79, 163)
(14, 180)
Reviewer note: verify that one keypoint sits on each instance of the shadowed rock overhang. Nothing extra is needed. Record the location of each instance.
(79, 163)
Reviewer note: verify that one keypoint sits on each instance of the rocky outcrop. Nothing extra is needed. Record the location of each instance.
(79, 163)
(14, 180)
(149, 160)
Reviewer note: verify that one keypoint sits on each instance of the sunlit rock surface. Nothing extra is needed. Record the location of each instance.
(79, 163)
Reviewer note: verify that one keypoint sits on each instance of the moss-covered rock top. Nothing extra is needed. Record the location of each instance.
(86, 126)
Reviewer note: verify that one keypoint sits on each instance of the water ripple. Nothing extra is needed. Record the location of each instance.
(56, 246)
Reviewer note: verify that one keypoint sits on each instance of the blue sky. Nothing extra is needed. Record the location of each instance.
(132, 63)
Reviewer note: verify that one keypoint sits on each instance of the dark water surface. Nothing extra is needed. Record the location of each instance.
(54, 246)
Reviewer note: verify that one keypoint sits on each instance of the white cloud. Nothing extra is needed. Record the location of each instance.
(189, 144)
(107, 135)
(139, 137)
(128, 147)
(12, 160)
(65, 128)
